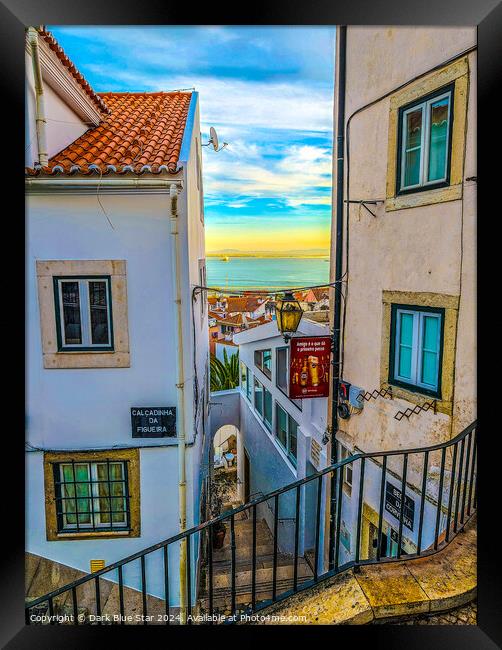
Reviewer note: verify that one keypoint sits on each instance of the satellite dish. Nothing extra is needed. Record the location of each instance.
(213, 138)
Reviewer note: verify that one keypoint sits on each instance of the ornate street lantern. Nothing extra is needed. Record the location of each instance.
(288, 314)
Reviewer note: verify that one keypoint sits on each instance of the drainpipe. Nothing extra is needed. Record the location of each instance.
(40, 122)
(180, 385)
(340, 153)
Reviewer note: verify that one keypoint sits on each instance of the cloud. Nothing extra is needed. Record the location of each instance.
(298, 175)
(269, 93)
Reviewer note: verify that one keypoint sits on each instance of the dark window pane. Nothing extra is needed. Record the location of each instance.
(258, 397)
(71, 313)
(257, 358)
(282, 369)
(292, 437)
(267, 362)
(267, 411)
(99, 312)
(282, 426)
(412, 147)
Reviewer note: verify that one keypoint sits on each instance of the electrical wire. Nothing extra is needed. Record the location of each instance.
(267, 290)
(99, 200)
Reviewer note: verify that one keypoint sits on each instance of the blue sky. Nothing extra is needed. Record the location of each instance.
(268, 92)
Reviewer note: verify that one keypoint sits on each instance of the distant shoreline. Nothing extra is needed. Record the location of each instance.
(268, 255)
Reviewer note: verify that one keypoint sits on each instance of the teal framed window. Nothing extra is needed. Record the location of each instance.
(424, 142)
(263, 361)
(263, 403)
(83, 313)
(286, 431)
(417, 348)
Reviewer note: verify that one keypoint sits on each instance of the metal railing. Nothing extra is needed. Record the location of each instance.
(438, 484)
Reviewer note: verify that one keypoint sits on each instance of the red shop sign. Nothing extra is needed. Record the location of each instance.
(309, 367)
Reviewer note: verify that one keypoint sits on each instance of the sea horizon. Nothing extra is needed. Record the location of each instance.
(256, 272)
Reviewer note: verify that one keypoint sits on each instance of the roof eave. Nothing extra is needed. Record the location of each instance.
(187, 132)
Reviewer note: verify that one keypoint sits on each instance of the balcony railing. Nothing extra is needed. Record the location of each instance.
(422, 498)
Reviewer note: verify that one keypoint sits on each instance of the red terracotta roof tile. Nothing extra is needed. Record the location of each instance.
(142, 133)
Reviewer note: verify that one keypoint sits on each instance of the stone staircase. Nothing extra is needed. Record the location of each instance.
(222, 566)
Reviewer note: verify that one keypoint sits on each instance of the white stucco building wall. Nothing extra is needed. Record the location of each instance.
(270, 466)
(79, 409)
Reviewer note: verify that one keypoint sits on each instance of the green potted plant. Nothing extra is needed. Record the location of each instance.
(218, 530)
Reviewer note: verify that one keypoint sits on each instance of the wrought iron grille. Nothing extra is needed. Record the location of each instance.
(427, 495)
(91, 496)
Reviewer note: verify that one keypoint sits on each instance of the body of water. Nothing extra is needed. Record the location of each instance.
(272, 272)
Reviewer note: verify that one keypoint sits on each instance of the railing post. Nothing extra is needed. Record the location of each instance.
(75, 605)
(464, 492)
(380, 509)
(357, 568)
(317, 528)
(166, 583)
(274, 570)
(460, 471)
(339, 502)
(422, 501)
(403, 499)
(451, 491)
(473, 465)
(440, 498)
(253, 576)
(188, 540)
(297, 531)
(98, 601)
(143, 590)
(232, 550)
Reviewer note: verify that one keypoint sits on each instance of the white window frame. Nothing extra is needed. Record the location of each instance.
(85, 313)
(261, 366)
(417, 347)
(425, 108)
(286, 449)
(95, 513)
(296, 402)
(345, 453)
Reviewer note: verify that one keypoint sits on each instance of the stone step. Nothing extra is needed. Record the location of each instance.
(222, 597)
(263, 576)
(242, 554)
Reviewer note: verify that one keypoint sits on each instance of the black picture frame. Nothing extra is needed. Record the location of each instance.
(487, 14)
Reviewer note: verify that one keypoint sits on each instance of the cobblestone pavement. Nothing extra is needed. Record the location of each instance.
(465, 615)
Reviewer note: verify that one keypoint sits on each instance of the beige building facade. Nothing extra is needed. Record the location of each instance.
(408, 312)
(416, 248)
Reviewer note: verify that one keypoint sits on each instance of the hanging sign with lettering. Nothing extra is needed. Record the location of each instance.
(153, 421)
(309, 367)
(393, 498)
